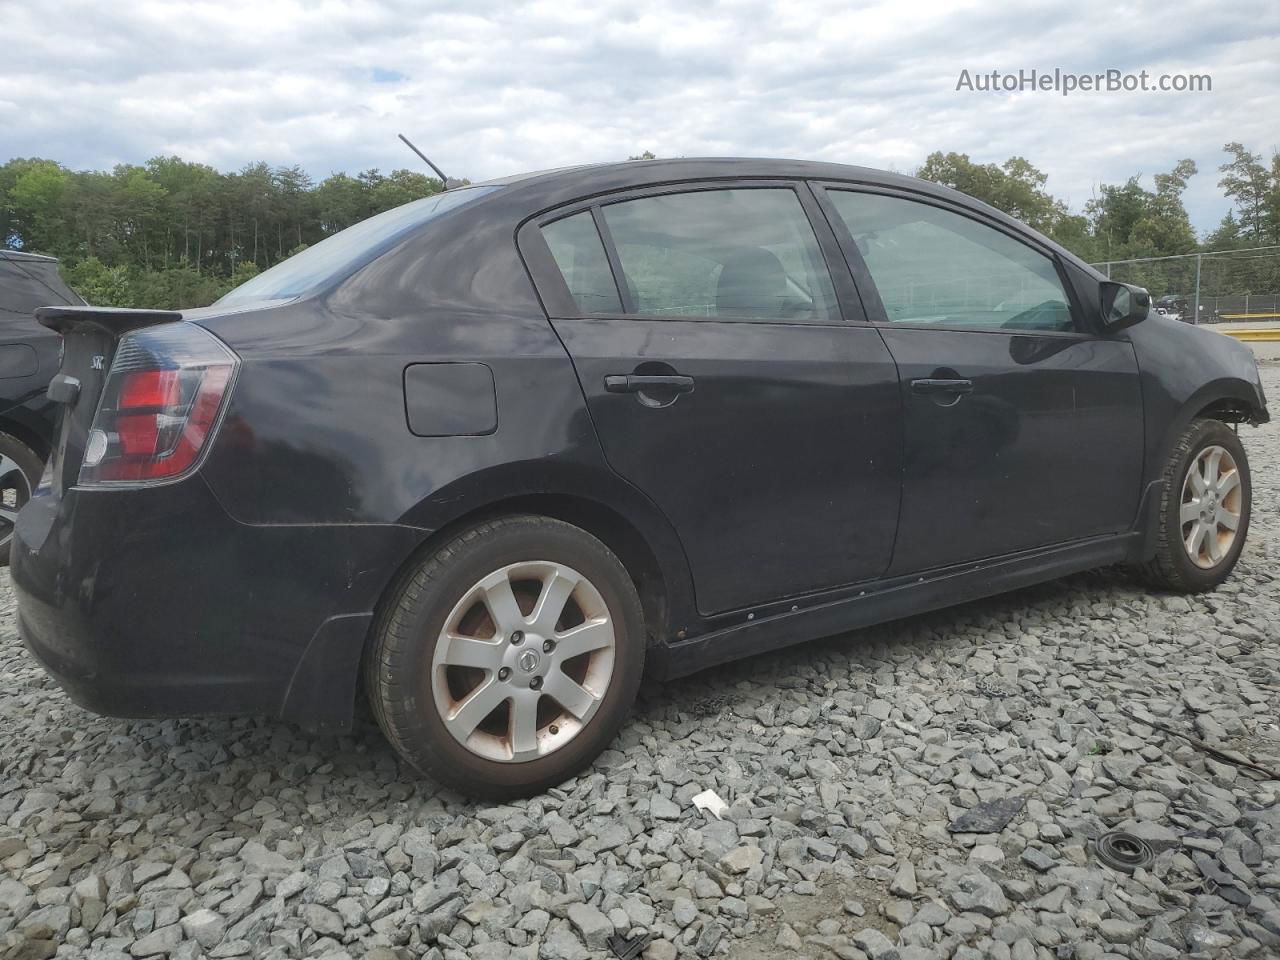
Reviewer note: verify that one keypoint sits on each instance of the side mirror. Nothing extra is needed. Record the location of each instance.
(1123, 304)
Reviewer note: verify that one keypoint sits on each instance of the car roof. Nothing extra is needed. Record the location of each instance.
(604, 177)
(23, 255)
(544, 189)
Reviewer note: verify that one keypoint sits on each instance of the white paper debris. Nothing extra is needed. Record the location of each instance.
(710, 801)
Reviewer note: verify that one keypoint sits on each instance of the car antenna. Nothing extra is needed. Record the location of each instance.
(447, 181)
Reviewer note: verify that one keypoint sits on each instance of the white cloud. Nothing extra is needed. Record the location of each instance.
(490, 88)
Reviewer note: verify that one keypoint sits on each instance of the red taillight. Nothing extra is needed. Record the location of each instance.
(139, 434)
(149, 388)
(159, 406)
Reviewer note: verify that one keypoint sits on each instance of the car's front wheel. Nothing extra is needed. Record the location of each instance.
(506, 661)
(1204, 509)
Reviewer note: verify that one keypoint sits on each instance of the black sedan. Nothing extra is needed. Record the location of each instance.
(494, 452)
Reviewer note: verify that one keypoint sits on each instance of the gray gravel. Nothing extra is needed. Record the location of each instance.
(845, 763)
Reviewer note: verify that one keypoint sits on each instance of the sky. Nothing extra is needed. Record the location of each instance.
(489, 89)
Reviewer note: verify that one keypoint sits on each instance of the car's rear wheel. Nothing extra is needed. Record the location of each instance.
(20, 471)
(506, 661)
(1204, 510)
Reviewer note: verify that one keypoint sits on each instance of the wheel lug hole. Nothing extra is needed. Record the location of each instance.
(517, 638)
(504, 673)
(548, 646)
(535, 683)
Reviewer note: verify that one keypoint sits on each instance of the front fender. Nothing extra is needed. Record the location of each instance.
(1186, 370)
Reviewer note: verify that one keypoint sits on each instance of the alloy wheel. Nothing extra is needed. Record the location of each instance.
(1212, 495)
(15, 490)
(523, 661)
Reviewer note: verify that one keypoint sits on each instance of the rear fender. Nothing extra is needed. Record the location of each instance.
(523, 485)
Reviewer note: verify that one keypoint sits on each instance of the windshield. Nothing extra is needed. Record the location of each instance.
(338, 256)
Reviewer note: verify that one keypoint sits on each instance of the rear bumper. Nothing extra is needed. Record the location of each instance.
(155, 602)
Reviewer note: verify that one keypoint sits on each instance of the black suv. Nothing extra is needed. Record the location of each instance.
(494, 451)
(28, 358)
(1176, 308)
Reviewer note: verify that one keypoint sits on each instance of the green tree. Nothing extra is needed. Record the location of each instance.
(192, 190)
(295, 194)
(1129, 221)
(1014, 187)
(1229, 235)
(171, 233)
(100, 284)
(1255, 190)
(37, 213)
(401, 187)
(340, 202)
(139, 208)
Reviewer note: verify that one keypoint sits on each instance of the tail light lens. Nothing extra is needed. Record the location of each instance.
(160, 405)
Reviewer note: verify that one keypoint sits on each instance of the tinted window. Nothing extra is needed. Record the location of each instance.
(337, 257)
(932, 266)
(722, 253)
(580, 255)
(27, 284)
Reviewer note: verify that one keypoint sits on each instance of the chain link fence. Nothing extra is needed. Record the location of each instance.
(1225, 286)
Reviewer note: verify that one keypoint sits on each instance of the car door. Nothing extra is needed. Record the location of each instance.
(726, 380)
(1023, 427)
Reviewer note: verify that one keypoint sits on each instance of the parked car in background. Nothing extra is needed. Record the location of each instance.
(29, 356)
(1176, 308)
(491, 452)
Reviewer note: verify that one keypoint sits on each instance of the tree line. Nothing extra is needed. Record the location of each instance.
(171, 233)
(1125, 221)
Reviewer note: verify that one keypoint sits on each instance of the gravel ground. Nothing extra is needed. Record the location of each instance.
(847, 766)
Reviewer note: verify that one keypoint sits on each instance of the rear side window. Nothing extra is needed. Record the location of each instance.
(575, 244)
(932, 266)
(337, 257)
(737, 253)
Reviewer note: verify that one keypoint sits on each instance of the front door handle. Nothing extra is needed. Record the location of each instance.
(930, 386)
(638, 383)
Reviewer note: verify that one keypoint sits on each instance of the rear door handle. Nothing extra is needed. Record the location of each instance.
(638, 383)
(929, 386)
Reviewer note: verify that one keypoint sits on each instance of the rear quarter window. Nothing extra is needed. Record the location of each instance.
(578, 251)
(340, 255)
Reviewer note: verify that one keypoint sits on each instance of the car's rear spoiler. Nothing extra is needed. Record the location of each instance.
(115, 321)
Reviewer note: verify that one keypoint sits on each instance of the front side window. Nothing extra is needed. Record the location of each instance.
(575, 245)
(932, 266)
(737, 253)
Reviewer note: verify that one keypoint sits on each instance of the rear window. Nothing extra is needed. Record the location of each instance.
(337, 257)
(27, 284)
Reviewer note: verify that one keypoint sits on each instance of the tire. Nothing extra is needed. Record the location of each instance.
(20, 471)
(1173, 566)
(422, 697)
